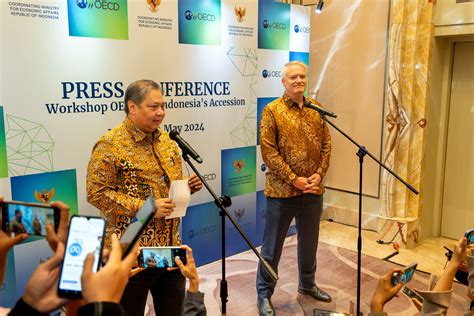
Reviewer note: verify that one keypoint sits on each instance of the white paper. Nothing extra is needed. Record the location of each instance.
(180, 193)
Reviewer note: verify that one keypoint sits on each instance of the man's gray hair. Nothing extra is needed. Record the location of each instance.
(138, 90)
(284, 70)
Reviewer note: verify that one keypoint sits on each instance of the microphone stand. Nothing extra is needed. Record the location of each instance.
(223, 202)
(361, 154)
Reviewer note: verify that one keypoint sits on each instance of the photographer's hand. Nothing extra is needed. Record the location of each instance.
(108, 284)
(41, 292)
(52, 237)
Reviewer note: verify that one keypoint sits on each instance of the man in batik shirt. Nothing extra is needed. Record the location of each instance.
(296, 146)
(131, 162)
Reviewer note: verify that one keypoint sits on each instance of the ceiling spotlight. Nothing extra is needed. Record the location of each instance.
(319, 8)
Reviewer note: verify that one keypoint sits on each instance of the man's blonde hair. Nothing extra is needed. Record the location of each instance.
(293, 63)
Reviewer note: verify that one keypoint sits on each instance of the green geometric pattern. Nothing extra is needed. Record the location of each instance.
(246, 62)
(29, 147)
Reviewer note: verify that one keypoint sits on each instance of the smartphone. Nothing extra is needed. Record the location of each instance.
(138, 225)
(160, 257)
(412, 294)
(469, 236)
(30, 218)
(86, 234)
(406, 276)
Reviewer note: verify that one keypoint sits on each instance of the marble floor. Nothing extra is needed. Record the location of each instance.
(429, 254)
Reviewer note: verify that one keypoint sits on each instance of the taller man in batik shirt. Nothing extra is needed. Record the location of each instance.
(296, 147)
(134, 160)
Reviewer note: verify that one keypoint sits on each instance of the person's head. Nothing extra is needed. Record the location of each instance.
(18, 215)
(144, 105)
(294, 78)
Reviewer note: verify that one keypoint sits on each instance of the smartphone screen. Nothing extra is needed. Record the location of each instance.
(160, 257)
(469, 236)
(29, 218)
(137, 225)
(409, 272)
(85, 235)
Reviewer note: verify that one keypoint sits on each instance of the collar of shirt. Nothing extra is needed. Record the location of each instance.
(137, 134)
(289, 102)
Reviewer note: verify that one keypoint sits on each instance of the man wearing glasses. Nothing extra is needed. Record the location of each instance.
(134, 160)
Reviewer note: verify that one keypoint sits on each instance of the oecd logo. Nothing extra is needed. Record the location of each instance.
(75, 249)
(273, 25)
(98, 4)
(271, 73)
(302, 29)
(193, 233)
(199, 16)
(188, 15)
(263, 167)
(81, 3)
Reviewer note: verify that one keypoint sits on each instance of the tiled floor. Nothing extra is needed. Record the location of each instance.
(429, 254)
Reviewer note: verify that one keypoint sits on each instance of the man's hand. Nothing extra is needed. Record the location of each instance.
(164, 207)
(385, 291)
(41, 292)
(300, 183)
(52, 237)
(315, 178)
(189, 270)
(108, 284)
(194, 183)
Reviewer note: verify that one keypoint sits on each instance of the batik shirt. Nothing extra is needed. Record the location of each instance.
(294, 143)
(126, 166)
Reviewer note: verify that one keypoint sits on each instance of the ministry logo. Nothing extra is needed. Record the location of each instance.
(239, 165)
(239, 213)
(153, 5)
(240, 13)
(44, 197)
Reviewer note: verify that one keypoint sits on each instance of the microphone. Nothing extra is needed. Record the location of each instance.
(321, 110)
(185, 147)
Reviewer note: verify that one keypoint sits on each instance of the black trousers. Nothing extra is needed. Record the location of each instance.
(166, 287)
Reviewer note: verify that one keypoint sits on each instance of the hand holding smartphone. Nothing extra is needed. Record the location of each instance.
(86, 234)
(469, 236)
(29, 218)
(160, 257)
(412, 294)
(404, 277)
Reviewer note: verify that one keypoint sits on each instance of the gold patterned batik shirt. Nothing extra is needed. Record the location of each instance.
(126, 166)
(294, 143)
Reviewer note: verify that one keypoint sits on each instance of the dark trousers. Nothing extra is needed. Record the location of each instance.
(307, 210)
(166, 287)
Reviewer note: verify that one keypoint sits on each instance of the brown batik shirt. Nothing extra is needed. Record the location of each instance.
(294, 143)
(126, 166)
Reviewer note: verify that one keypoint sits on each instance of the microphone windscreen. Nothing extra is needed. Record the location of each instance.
(174, 134)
